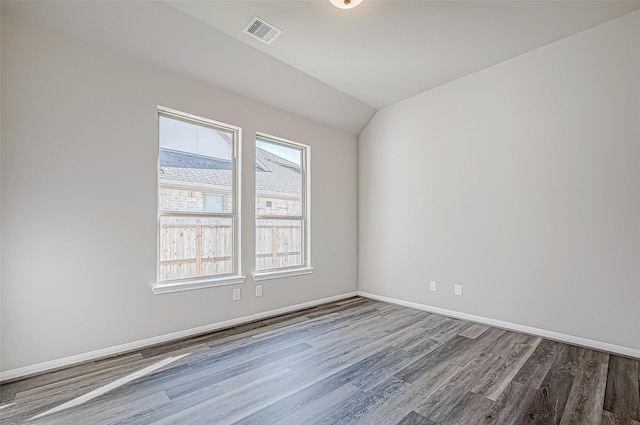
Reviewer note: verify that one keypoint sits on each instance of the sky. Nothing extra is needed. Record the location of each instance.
(290, 154)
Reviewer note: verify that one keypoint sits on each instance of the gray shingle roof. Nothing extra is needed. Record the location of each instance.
(273, 173)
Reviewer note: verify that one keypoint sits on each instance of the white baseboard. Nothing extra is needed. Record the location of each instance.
(25, 371)
(556, 336)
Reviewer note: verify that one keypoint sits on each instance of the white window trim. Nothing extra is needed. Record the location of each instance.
(168, 286)
(187, 285)
(278, 273)
(306, 267)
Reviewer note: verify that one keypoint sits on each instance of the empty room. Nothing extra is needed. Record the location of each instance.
(378, 212)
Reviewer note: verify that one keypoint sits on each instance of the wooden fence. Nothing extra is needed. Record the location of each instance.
(278, 244)
(192, 247)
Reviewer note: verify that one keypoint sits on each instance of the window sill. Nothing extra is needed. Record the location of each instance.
(166, 288)
(282, 273)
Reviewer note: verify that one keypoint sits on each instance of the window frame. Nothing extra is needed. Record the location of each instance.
(235, 277)
(305, 217)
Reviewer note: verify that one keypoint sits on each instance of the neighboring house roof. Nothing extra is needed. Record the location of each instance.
(273, 173)
(184, 167)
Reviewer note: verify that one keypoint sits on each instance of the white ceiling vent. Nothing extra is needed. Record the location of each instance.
(262, 30)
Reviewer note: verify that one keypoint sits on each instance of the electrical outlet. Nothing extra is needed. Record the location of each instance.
(457, 290)
(258, 290)
(236, 294)
(433, 285)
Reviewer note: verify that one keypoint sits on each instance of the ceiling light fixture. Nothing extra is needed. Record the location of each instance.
(345, 4)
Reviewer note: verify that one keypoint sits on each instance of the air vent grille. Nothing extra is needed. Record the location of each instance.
(262, 30)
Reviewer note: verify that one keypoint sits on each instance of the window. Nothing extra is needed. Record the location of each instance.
(198, 235)
(214, 203)
(282, 207)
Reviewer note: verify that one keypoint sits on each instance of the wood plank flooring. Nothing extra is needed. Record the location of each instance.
(356, 361)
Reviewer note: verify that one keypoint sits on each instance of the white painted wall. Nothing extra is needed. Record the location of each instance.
(520, 182)
(0, 182)
(79, 159)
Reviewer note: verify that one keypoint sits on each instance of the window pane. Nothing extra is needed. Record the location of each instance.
(278, 179)
(195, 246)
(195, 162)
(214, 203)
(278, 244)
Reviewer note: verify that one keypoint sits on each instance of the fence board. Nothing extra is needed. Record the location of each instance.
(192, 250)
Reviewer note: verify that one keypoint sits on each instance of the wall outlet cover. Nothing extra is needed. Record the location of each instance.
(236, 294)
(433, 285)
(457, 290)
(258, 290)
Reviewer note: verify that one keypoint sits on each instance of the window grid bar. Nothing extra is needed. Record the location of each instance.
(195, 214)
(279, 217)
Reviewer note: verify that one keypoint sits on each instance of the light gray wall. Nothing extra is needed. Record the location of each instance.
(79, 171)
(520, 182)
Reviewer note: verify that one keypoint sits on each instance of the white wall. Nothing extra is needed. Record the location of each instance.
(521, 182)
(79, 132)
(0, 182)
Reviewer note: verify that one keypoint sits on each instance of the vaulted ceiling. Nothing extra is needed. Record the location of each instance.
(336, 67)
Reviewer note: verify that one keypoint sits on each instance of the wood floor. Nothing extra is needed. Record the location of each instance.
(355, 361)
